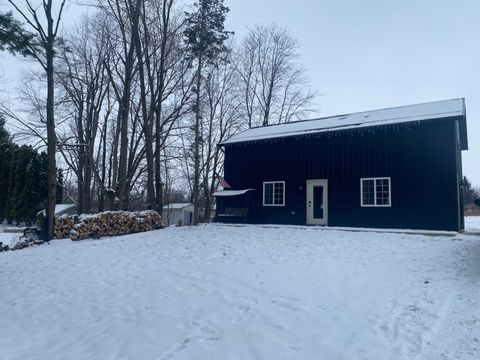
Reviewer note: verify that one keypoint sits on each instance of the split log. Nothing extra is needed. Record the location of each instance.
(64, 224)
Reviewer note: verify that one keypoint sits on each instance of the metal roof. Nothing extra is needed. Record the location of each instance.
(396, 115)
(231, 192)
(177, 206)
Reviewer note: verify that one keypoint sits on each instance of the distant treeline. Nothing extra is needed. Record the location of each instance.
(23, 180)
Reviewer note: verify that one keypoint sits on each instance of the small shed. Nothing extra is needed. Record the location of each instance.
(65, 209)
(177, 213)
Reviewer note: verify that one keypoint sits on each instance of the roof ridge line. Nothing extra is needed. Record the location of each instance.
(354, 113)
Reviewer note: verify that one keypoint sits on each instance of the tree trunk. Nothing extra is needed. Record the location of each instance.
(51, 138)
(166, 7)
(101, 205)
(147, 126)
(268, 102)
(122, 162)
(158, 173)
(208, 203)
(81, 161)
(124, 112)
(196, 179)
(211, 187)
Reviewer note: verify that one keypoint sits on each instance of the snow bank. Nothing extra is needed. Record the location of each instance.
(9, 239)
(472, 224)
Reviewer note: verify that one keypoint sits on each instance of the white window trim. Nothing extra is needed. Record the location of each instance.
(273, 182)
(375, 191)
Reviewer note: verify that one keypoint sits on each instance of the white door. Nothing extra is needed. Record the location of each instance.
(317, 202)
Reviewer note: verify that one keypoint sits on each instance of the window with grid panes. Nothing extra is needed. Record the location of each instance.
(274, 193)
(375, 191)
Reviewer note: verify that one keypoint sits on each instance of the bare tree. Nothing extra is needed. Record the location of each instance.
(164, 85)
(222, 119)
(30, 123)
(84, 87)
(126, 15)
(274, 82)
(148, 63)
(47, 37)
(172, 73)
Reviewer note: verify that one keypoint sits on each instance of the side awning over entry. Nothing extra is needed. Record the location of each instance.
(231, 192)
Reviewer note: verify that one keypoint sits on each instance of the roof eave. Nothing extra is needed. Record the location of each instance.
(463, 128)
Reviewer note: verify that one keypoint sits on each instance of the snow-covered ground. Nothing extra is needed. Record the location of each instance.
(252, 292)
(8, 238)
(472, 224)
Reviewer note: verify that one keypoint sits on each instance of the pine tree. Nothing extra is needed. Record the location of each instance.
(5, 138)
(14, 38)
(23, 183)
(29, 199)
(5, 146)
(11, 200)
(469, 193)
(205, 37)
(3, 182)
(23, 179)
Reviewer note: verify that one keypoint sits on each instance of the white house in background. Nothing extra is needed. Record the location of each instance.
(174, 214)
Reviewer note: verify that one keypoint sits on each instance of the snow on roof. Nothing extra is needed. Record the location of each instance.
(231, 192)
(177, 205)
(59, 208)
(402, 114)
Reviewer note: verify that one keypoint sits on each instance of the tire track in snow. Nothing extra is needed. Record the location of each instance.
(249, 305)
(412, 324)
(465, 344)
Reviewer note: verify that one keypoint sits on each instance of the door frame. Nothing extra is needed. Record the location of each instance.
(309, 197)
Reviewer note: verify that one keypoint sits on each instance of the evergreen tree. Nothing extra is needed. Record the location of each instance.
(11, 200)
(5, 170)
(21, 190)
(43, 179)
(14, 38)
(469, 193)
(29, 199)
(5, 138)
(3, 182)
(205, 37)
(23, 183)
(5, 144)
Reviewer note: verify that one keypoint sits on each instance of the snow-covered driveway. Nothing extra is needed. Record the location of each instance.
(220, 292)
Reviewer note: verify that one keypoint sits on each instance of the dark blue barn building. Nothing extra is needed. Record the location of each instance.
(390, 168)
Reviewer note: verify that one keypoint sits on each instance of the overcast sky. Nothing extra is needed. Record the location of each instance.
(370, 54)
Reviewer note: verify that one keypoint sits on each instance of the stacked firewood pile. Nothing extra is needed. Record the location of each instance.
(111, 223)
(64, 224)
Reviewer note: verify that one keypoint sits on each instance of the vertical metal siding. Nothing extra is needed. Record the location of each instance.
(422, 161)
